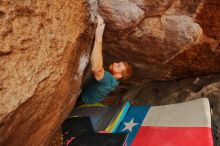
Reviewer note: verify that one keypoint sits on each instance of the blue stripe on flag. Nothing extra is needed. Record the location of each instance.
(126, 108)
(132, 121)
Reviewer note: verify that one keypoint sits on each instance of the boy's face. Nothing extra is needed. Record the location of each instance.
(117, 68)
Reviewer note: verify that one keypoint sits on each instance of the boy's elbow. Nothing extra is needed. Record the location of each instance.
(98, 73)
(97, 69)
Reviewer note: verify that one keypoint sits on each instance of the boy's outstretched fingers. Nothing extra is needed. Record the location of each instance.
(100, 19)
(100, 27)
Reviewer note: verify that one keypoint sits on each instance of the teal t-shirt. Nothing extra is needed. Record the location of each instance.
(96, 91)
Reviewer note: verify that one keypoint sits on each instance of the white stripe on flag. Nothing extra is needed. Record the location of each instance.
(195, 113)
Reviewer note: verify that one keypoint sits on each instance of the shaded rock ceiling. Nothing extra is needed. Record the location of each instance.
(163, 39)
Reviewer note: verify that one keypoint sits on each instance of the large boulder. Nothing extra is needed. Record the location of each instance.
(174, 39)
(45, 47)
(120, 14)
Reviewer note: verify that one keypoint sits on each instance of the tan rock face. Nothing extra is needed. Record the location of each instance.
(208, 18)
(174, 39)
(120, 14)
(44, 49)
(153, 8)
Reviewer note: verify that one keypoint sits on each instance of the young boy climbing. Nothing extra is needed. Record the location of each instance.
(104, 81)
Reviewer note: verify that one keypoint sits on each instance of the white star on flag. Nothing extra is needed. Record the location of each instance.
(129, 125)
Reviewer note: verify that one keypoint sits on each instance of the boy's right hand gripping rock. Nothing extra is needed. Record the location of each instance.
(100, 28)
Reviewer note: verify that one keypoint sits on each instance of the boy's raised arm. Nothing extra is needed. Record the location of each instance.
(96, 56)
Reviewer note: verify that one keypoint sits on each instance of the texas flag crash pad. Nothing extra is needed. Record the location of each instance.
(182, 124)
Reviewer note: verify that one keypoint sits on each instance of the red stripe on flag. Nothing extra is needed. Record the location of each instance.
(173, 136)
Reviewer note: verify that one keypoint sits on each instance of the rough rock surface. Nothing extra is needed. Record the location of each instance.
(153, 8)
(120, 14)
(45, 48)
(175, 38)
